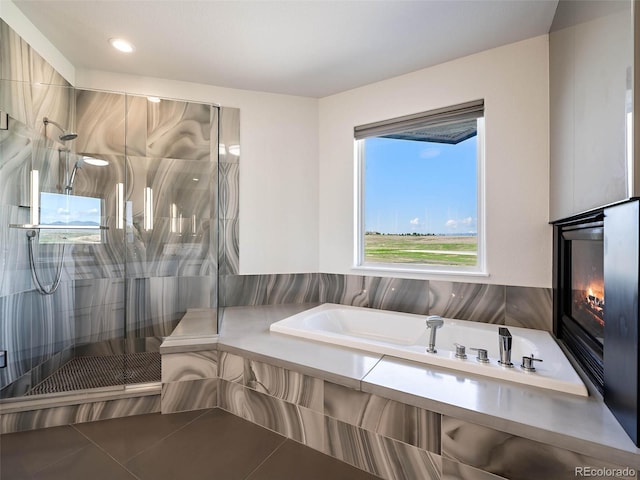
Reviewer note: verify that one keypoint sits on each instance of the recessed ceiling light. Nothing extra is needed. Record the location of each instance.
(153, 99)
(98, 162)
(121, 44)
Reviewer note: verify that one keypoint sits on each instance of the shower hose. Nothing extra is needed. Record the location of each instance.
(31, 234)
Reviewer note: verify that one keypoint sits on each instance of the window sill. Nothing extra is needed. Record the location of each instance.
(417, 269)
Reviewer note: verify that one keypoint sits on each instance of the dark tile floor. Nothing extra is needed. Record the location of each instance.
(211, 444)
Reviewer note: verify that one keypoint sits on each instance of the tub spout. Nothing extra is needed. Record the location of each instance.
(505, 347)
(433, 322)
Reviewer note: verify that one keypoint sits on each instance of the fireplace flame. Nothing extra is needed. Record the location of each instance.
(595, 301)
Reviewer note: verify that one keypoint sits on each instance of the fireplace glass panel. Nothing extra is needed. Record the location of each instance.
(587, 286)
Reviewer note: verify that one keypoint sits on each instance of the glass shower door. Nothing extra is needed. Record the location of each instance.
(62, 292)
(118, 194)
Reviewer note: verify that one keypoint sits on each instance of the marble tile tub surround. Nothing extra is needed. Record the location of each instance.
(514, 457)
(388, 438)
(77, 411)
(578, 424)
(499, 304)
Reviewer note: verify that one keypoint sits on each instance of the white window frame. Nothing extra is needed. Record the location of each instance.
(480, 269)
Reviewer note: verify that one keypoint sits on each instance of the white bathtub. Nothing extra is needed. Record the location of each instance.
(405, 335)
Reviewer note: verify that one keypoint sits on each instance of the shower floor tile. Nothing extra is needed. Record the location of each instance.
(82, 373)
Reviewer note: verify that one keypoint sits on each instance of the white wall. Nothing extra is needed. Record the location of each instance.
(514, 82)
(278, 167)
(279, 155)
(297, 166)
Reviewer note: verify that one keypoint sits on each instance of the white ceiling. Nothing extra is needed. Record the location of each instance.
(311, 48)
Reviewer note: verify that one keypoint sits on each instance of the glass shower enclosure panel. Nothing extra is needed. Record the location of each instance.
(62, 284)
(171, 201)
(108, 234)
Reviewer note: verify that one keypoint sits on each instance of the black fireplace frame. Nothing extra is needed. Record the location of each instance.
(615, 368)
(587, 350)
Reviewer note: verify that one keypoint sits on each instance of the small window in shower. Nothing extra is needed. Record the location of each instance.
(70, 218)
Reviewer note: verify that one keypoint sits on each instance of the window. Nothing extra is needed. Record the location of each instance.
(420, 191)
(81, 214)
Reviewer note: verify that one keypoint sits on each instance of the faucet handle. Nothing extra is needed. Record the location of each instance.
(527, 363)
(460, 351)
(482, 355)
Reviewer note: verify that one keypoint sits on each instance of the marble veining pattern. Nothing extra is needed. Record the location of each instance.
(23, 63)
(100, 122)
(229, 135)
(155, 305)
(189, 395)
(521, 306)
(29, 85)
(343, 289)
(34, 329)
(412, 425)
(293, 421)
(457, 471)
(269, 289)
(467, 301)
(99, 309)
(397, 294)
(379, 455)
(287, 385)
(85, 412)
(508, 455)
(228, 258)
(180, 367)
(229, 190)
(529, 307)
(228, 184)
(136, 131)
(178, 130)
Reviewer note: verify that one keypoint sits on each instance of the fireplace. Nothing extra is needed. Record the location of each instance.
(579, 291)
(596, 283)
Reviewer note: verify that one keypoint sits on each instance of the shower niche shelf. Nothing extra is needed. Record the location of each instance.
(30, 226)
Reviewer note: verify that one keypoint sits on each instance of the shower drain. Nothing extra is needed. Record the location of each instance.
(83, 373)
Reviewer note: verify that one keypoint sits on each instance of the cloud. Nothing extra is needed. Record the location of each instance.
(93, 210)
(467, 222)
(63, 211)
(430, 152)
(415, 221)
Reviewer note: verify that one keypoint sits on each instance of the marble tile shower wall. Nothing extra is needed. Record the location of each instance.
(168, 147)
(229, 188)
(499, 304)
(36, 329)
(148, 276)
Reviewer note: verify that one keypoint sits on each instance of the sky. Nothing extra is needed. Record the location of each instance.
(420, 187)
(57, 207)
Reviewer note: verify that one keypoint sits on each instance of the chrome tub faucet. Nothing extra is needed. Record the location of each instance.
(505, 347)
(433, 322)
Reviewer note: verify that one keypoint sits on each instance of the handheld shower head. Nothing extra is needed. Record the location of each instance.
(72, 178)
(81, 162)
(65, 136)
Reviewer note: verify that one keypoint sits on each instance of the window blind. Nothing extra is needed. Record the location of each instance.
(464, 111)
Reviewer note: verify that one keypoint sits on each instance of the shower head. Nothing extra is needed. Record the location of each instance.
(65, 136)
(81, 162)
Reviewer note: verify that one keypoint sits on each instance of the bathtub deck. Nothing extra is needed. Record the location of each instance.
(581, 424)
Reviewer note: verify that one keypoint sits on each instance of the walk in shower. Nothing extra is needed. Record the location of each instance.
(108, 233)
